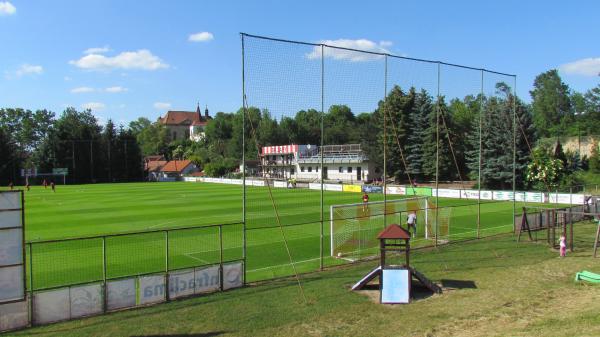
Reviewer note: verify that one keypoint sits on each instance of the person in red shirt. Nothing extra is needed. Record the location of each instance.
(365, 199)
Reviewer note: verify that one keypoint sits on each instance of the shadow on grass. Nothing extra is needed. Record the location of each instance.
(458, 284)
(208, 334)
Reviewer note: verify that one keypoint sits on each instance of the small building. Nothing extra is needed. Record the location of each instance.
(186, 124)
(176, 169)
(153, 169)
(343, 163)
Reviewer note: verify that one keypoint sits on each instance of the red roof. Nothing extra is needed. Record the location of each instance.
(155, 165)
(176, 166)
(394, 232)
(184, 118)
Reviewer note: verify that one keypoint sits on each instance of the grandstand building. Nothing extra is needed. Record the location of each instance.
(342, 163)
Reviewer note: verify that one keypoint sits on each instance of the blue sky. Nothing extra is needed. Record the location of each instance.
(126, 59)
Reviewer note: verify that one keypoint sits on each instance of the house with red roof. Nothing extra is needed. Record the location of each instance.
(175, 169)
(186, 124)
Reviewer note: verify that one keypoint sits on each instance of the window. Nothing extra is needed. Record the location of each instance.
(310, 169)
(187, 134)
(301, 168)
(341, 169)
(316, 169)
(174, 135)
(349, 169)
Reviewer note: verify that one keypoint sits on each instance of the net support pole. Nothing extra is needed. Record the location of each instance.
(385, 74)
(437, 154)
(244, 246)
(321, 236)
(105, 302)
(479, 159)
(514, 173)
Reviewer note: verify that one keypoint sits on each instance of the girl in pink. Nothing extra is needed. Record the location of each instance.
(563, 246)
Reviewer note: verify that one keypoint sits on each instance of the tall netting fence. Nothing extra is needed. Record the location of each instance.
(329, 126)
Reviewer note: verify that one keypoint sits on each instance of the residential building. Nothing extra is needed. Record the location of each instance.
(176, 169)
(343, 163)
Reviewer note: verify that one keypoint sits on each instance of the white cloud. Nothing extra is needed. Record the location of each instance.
(586, 67)
(67, 78)
(116, 89)
(201, 37)
(162, 105)
(6, 8)
(24, 69)
(93, 106)
(97, 50)
(341, 54)
(81, 90)
(142, 59)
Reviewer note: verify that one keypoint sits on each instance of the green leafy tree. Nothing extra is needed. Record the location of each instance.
(552, 107)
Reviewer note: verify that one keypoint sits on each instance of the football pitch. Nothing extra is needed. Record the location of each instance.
(89, 212)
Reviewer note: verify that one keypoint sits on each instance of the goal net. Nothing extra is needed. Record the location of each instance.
(354, 227)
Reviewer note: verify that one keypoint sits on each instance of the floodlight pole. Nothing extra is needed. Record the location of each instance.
(514, 176)
(321, 244)
(480, 159)
(244, 158)
(385, 141)
(437, 155)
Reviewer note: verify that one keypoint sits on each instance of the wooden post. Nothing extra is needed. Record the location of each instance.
(595, 242)
(407, 253)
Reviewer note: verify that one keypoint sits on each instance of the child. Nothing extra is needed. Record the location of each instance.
(563, 246)
(412, 223)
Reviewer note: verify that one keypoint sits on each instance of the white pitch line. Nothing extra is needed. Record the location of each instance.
(162, 224)
(285, 265)
(197, 259)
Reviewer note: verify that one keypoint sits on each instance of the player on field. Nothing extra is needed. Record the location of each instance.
(45, 183)
(411, 221)
(365, 199)
(10, 185)
(27, 186)
(53, 186)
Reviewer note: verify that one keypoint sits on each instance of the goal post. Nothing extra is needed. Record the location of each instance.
(354, 227)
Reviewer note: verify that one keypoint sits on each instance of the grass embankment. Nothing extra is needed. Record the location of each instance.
(521, 289)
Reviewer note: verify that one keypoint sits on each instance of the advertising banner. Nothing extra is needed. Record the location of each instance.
(447, 193)
(51, 306)
(400, 190)
(372, 189)
(315, 186)
(86, 300)
(258, 183)
(333, 187)
(151, 289)
(280, 184)
(352, 188)
(207, 279)
(14, 315)
(486, 195)
(181, 283)
(469, 194)
(11, 283)
(502, 195)
(534, 197)
(121, 294)
(232, 275)
(565, 198)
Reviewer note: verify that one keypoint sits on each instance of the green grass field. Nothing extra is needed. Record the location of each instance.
(105, 209)
(518, 289)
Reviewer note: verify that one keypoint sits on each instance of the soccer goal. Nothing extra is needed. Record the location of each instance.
(354, 227)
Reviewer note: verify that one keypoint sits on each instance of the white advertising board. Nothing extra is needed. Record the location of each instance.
(10, 200)
(86, 300)
(181, 283)
(151, 289)
(401, 190)
(207, 279)
(333, 187)
(232, 275)
(447, 193)
(502, 195)
(519, 196)
(486, 195)
(11, 246)
(121, 294)
(469, 194)
(280, 184)
(315, 186)
(51, 306)
(258, 183)
(11, 283)
(534, 197)
(566, 198)
(14, 315)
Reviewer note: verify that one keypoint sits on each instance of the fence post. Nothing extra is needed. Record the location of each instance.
(105, 304)
(221, 257)
(32, 320)
(167, 265)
